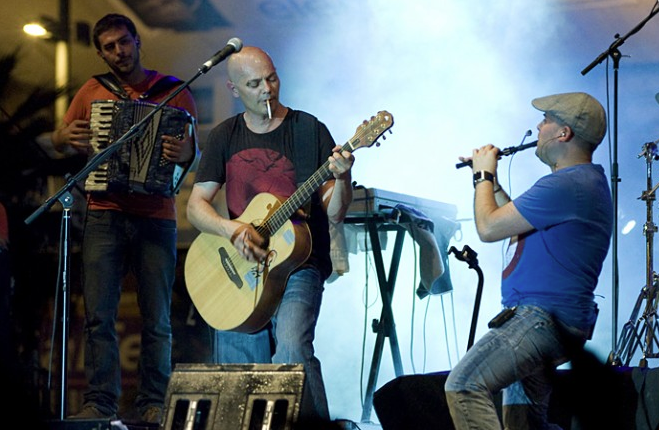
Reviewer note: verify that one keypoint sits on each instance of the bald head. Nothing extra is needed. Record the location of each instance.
(248, 59)
(253, 78)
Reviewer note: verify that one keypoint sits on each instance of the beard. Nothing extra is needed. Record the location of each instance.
(125, 67)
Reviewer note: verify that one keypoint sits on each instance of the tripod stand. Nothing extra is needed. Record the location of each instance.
(641, 332)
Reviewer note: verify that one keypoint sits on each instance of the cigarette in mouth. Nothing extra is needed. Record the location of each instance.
(267, 103)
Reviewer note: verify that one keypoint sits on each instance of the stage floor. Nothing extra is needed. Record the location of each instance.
(351, 425)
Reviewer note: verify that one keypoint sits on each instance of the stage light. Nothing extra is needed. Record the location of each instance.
(57, 31)
(46, 28)
(629, 226)
(37, 30)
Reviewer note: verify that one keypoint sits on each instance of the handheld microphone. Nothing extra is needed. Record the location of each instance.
(233, 45)
(507, 151)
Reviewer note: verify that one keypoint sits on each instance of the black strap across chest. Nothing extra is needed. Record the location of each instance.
(112, 84)
(305, 145)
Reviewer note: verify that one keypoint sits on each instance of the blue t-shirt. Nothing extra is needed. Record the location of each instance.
(556, 266)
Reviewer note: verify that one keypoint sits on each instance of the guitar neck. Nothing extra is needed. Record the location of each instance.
(365, 136)
(301, 195)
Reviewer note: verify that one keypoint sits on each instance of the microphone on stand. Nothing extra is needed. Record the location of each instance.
(233, 45)
(507, 151)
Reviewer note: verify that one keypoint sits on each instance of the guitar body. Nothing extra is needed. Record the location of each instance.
(234, 294)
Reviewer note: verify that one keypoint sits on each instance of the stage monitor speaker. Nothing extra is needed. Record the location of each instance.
(78, 424)
(589, 396)
(413, 402)
(233, 397)
(419, 401)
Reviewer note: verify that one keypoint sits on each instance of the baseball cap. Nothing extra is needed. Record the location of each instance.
(581, 111)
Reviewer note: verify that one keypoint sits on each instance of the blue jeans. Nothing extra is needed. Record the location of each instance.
(113, 243)
(291, 335)
(519, 357)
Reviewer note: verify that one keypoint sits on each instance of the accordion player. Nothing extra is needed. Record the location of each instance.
(138, 165)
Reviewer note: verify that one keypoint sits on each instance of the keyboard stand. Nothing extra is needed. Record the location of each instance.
(385, 327)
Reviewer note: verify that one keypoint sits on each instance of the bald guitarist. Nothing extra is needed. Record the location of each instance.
(260, 150)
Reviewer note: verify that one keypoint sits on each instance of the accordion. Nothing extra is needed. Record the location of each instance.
(138, 165)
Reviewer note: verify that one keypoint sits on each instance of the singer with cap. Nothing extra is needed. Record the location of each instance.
(558, 234)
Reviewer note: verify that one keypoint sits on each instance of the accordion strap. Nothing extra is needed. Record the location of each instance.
(112, 84)
(164, 84)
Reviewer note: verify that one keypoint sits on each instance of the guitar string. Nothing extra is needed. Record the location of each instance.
(280, 216)
(289, 207)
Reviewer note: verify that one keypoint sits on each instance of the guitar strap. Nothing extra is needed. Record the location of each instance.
(305, 150)
(112, 84)
(305, 145)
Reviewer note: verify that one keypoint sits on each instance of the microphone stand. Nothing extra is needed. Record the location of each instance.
(615, 179)
(66, 198)
(470, 257)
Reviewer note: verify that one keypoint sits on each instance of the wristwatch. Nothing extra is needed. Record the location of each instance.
(482, 175)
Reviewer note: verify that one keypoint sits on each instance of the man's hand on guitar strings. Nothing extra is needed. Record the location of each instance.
(248, 242)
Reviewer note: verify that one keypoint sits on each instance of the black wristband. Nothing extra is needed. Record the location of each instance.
(482, 175)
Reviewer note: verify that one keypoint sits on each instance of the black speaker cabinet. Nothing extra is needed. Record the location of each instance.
(413, 402)
(76, 424)
(591, 396)
(233, 397)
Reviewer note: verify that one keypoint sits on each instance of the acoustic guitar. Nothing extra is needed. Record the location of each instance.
(233, 294)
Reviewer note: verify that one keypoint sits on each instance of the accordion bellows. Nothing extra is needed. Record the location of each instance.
(138, 165)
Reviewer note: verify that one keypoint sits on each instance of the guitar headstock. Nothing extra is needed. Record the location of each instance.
(370, 131)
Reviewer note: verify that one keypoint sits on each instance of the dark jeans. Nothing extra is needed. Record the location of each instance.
(114, 243)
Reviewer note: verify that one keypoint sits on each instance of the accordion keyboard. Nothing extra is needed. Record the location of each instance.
(101, 124)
